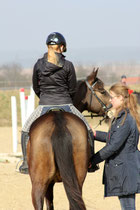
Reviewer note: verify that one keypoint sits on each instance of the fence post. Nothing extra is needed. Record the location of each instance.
(31, 103)
(14, 123)
(22, 106)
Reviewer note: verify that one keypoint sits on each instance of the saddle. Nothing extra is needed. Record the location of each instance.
(55, 108)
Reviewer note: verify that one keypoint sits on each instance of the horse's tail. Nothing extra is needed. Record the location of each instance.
(62, 147)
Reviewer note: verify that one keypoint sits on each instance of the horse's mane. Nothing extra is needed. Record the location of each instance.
(80, 94)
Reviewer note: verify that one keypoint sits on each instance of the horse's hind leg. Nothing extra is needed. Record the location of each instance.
(37, 196)
(41, 170)
(41, 189)
(49, 197)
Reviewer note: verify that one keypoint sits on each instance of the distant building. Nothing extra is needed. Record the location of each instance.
(132, 80)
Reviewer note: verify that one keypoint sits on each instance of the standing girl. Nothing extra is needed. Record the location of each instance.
(121, 175)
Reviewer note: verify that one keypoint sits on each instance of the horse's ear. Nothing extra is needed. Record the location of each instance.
(91, 78)
(95, 72)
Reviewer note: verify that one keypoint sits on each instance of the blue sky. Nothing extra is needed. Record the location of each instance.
(91, 28)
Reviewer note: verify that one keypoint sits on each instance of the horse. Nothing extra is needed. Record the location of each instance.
(137, 96)
(58, 149)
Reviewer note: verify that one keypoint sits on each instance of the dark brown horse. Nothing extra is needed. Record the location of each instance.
(58, 149)
(137, 94)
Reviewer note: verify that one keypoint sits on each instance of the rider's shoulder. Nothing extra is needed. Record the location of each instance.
(39, 61)
(69, 63)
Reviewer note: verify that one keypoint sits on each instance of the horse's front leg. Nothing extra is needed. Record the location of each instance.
(49, 196)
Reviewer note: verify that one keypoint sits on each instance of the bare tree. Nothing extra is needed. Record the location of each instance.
(11, 76)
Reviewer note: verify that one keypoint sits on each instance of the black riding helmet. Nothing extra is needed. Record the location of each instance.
(56, 38)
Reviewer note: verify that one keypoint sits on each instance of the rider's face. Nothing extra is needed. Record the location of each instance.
(62, 48)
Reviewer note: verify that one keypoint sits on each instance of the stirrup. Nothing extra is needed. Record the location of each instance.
(23, 169)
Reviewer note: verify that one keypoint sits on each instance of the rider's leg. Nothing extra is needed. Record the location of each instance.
(90, 134)
(24, 139)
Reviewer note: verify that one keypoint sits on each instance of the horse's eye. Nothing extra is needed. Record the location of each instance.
(102, 91)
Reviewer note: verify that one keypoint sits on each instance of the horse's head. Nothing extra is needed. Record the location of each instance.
(91, 95)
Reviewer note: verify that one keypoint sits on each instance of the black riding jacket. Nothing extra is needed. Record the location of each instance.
(54, 85)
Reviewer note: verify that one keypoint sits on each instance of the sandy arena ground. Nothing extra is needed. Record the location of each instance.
(15, 188)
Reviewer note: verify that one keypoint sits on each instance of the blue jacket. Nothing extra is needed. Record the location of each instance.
(122, 158)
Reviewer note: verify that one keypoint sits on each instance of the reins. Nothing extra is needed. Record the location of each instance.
(93, 93)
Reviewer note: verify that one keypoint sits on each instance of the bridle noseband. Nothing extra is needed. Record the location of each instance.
(93, 93)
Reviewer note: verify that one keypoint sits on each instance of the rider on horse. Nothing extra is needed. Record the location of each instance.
(54, 82)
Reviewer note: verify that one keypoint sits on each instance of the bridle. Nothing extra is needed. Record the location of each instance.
(99, 100)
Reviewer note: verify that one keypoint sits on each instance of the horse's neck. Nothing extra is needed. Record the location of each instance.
(79, 96)
(80, 106)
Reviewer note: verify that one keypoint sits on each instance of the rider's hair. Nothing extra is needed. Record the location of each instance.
(52, 57)
(129, 101)
(54, 47)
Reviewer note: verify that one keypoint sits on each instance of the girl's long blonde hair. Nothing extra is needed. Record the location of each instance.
(129, 101)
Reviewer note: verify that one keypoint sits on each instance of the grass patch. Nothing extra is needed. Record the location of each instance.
(5, 106)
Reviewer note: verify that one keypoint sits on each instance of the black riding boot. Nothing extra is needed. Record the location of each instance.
(91, 141)
(24, 139)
